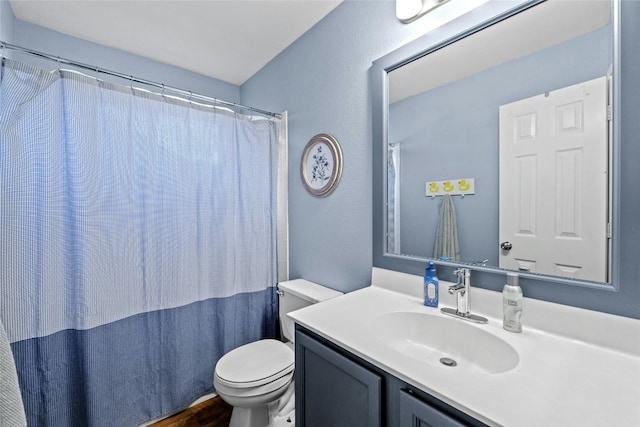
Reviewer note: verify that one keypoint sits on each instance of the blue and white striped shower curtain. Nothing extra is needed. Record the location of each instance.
(137, 244)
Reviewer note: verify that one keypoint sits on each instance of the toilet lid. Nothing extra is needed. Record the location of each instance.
(254, 364)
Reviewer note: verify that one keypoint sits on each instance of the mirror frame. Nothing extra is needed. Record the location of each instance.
(580, 293)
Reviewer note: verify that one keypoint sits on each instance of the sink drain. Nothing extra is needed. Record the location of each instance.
(448, 362)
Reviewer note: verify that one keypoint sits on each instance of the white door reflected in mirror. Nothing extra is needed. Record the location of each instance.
(554, 182)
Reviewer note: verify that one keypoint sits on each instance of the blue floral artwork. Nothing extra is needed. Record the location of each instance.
(320, 166)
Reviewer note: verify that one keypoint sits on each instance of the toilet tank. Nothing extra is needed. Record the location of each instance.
(296, 294)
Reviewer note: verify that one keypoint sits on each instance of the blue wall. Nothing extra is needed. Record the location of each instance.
(323, 81)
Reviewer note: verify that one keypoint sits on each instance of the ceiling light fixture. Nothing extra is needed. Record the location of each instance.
(410, 10)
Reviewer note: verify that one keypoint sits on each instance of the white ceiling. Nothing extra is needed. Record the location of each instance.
(223, 39)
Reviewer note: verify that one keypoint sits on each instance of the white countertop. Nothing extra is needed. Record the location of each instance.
(576, 367)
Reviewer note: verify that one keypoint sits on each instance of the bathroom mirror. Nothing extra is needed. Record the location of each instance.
(448, 106)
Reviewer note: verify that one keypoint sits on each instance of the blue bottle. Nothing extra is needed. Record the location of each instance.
(430, 286)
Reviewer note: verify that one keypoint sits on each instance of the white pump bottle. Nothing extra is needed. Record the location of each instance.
(512, 304)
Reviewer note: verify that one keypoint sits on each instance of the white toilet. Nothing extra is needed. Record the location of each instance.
(257, 378)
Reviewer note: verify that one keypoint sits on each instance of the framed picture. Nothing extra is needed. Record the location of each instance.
(321, 165)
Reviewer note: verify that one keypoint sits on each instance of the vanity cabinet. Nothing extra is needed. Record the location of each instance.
(417, 413)
(335, 388)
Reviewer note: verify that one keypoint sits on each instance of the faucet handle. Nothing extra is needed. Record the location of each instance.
(461, 272)
(460, 286)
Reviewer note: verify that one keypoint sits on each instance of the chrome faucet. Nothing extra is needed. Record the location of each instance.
(461, 290)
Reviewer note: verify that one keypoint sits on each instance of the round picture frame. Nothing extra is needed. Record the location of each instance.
(321, 165)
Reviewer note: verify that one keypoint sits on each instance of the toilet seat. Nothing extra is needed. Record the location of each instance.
(257, 378)
(255, 364)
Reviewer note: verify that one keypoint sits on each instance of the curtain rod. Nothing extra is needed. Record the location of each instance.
(191, 95)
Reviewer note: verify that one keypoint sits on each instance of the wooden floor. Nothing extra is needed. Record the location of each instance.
(211, 413)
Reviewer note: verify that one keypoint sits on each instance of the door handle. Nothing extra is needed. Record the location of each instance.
(506, 246)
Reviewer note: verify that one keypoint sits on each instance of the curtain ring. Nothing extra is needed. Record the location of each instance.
(190, 95)
(58, 61)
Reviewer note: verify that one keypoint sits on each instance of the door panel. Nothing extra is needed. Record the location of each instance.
(554, 182)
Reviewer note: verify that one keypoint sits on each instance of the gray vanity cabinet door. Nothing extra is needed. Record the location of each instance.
(332, 390)
(416, 413)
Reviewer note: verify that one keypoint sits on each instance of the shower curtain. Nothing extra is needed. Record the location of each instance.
(391, 202)
(137, 244)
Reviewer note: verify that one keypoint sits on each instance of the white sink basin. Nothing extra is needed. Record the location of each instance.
(429, 338)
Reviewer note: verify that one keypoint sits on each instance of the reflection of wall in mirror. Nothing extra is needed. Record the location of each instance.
(452, 131)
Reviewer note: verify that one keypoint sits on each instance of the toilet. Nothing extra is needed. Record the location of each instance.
(257, 378)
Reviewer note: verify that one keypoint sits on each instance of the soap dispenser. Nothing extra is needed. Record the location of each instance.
(512, 304)
(430, 285)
